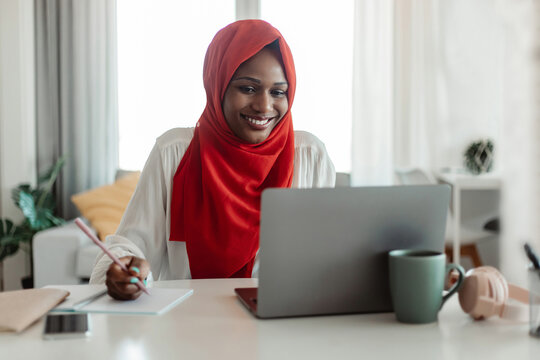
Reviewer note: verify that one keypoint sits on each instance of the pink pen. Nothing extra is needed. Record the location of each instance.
(93, 237)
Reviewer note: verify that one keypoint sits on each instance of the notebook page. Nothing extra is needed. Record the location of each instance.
(76, 294)
(158, 302)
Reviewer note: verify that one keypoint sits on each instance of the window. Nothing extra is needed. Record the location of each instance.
(161, 47)
(320, 35)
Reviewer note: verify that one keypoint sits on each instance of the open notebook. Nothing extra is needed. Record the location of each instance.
(158, 302)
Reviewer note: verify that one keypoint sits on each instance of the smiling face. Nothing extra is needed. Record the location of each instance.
(256, 99)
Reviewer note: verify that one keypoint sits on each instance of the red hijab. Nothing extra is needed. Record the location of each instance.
(217, 187)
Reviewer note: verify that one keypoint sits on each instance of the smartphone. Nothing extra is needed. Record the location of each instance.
(61, 326)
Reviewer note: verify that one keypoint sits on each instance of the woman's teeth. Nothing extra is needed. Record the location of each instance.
(257, 122)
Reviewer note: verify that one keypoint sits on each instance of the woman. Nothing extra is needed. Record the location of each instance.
(195, 212)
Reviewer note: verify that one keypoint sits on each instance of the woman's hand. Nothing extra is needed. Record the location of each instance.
(122, 285)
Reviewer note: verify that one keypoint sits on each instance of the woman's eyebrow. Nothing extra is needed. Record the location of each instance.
(258, 81)
(248, 78)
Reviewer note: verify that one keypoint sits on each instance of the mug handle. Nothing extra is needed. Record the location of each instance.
(457, 284)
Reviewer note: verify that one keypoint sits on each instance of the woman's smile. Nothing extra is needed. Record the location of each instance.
(256, 99)
(258, 122)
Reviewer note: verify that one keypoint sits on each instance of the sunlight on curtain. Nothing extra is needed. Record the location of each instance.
(320, 36)
(373, 93)
(161, 48)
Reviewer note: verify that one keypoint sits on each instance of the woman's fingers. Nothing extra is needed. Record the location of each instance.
(121, 285)
(139, 267)
(122, 291)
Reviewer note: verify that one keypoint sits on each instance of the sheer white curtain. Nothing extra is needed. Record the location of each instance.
(397, 93)
(321, 44)
(471, 62)
(521, 142)
(427, 83)
(432, 76)
(161, 48)
(373, 96)
(77, 93)
(419, 97)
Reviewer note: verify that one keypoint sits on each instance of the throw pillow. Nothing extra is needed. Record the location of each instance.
(105, 205)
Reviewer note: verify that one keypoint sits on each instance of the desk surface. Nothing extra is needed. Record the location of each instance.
(212, 324)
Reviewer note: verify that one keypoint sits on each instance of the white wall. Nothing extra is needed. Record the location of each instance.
(521, 155)
(472, 48)
(492, 70)
(17, 117)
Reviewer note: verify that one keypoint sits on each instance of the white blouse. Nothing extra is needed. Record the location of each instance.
(145, 226)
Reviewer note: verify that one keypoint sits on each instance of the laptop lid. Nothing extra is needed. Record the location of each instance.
(324, 251)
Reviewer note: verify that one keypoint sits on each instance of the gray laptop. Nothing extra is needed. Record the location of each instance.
(324, 251)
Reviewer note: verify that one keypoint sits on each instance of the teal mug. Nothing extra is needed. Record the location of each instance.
(417, 280)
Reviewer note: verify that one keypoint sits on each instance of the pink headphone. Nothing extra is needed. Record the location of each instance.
(485, 292)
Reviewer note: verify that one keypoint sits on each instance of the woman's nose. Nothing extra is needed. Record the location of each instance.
(263, 103)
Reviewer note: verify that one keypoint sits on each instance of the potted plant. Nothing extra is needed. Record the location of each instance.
(478, 157)
(38, 207)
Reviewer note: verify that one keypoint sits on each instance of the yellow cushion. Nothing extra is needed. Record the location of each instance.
(105, 205)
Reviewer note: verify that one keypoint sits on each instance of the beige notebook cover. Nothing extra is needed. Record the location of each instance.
(20, 308)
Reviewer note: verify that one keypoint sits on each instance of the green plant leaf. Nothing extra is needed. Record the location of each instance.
(50, 181)
(48, 201)
(10, 238)
(9, 226)
(28, 207)
(56, 220)
(25, 233)
(43, 219)
(15, 193)
(38, 206)
(51, 173)
(8, 250)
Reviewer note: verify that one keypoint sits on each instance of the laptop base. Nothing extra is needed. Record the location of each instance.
(248, 297)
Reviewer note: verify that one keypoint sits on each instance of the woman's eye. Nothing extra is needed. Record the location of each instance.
(279, 93)
(247, 89)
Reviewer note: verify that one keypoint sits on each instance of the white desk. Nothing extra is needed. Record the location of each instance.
(213, 324)
(460, 182)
